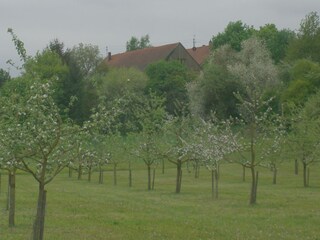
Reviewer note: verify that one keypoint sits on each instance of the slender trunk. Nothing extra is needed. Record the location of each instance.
(38, 228)
(115, 174)
(212, 183)
(217, 181)
(100, 175)
(179, 177)
(243, 173)
(163, 166)
(79, 172)
(153, 178)
(252, 165)
(12, 197)
(256, 185)
(296, 167)
(308, 176)
(0, 183)
(275, 171)
(89, 174)
(130, 175)
(149, 178)
(196, 170)
(70, 172)
(305, 180)
(253, 186)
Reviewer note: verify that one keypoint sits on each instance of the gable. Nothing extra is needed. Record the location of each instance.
(141, 58)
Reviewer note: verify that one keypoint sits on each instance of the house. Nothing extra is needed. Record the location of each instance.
(141, 58)
(200, 54)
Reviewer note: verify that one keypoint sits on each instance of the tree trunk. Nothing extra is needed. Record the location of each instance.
(163, 166)
(0, 183)
(100, 176)
(197, 170)
(305, 177)
(89, 174)
(149, 178)
(179, 177)
(296, 167)
(217, 181)
(212, 184)
(115, 174)
(130, 178)
(38, 228)
(70, 172)
(153, 178)
(79, 172)
(12, 197)
(243, 173)
(256, 186)
(253, 186)
(308, 175)
(275, 171)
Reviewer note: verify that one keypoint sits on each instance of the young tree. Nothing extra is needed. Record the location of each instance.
(213, 140)
(43, 141)
(304, 136)
(256, 72)
(151, 117)
(177, 130)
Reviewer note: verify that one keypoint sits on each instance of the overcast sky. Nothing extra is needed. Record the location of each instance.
(112, 22)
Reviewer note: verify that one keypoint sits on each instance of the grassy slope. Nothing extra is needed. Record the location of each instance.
(83, 210)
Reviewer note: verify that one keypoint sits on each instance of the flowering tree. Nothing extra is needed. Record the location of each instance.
(256, 72)
(151, 115)
(213, 141)
(38, 139)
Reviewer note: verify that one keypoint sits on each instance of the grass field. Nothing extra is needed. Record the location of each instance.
(88, 210)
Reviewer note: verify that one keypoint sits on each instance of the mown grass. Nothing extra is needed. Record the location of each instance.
(88, 210)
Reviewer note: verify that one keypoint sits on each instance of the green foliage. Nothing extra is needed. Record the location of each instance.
(307, 43)
(134, 43)
(233, 34)
(4, 76)
(276, 41)
(169, 79)
(214, 89)
(120, 81)
(305, 76)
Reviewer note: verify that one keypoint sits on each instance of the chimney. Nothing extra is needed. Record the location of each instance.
(109, 56)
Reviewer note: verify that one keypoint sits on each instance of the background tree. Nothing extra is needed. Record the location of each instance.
(276, 41)
(134, 43)
(119, 82)
(307, 43)
(169, 79)
(213, 91)
(234, 34)
(305, 81)
(256, 72)
(4, 76)
(304, 135)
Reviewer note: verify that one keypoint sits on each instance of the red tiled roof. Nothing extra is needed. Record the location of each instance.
(142, 57)
(200, 54)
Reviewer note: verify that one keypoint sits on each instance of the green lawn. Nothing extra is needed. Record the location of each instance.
(87, 210)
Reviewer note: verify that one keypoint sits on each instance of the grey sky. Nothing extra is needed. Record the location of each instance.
(112, 22)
